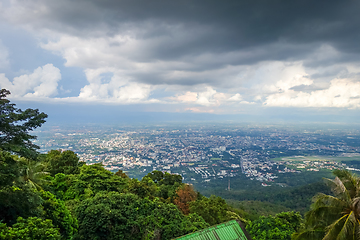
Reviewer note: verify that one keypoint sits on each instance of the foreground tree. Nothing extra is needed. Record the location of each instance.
(32, 228)
(31, 173)
(15, 125)
(66, 162)
(335, 217)
(213, 210)
(113, 215)
(16, 198)
(278, 227)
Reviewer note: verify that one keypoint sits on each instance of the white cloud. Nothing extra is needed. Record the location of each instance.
(343, 93)
(117, 89)
(187, 97)
(42, 82)
(236, 98)
(207, 97)
(130, 93)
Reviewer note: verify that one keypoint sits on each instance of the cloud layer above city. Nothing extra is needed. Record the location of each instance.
(186, 56)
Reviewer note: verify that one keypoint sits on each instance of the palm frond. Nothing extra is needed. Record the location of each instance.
(339, 189)
(322, 216)
(347, 231)
(32, 173)
(309, 234)
(322, 199)
(351, 181)
(334, 229)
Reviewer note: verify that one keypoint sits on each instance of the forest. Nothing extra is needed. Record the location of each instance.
(55, 196)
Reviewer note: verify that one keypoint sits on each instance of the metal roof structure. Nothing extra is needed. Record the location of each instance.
(232, 230)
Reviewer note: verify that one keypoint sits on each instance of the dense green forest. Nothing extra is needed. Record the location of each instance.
(54, 196)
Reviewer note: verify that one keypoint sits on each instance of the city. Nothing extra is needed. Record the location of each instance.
(204, 153)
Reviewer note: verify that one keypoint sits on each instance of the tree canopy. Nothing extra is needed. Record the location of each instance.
(278, 227)
(15, 125)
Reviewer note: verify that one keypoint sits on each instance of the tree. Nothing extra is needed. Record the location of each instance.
(16, 198)
(279, 227)
(55, 210)
(185, 195)
(337, 216)
(161, 178)
(31, 173)
(66, 162)
(9, 170)
(15, 202)
(91, 180)
(31, 228)
(15, 125)
(109, 215)
(168, 184)
(213, 210)
(144, 188)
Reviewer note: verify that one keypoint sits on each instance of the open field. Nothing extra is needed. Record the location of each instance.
(319, 158)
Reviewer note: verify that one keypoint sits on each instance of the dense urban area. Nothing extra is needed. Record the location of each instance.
(203, 153)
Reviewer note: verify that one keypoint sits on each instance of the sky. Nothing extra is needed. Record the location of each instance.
(260, 58)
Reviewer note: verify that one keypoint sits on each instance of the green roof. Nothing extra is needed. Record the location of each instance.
(225, 231)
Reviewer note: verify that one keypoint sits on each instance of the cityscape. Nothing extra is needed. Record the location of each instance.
(204, 153)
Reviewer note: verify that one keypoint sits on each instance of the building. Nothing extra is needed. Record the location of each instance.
(232, 230)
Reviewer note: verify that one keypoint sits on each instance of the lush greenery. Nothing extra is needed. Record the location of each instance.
(89, 202)
(280, 227)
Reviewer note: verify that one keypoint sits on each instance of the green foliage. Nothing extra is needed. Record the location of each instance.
(297, 196)
(109, 215)
(66, 162)
(280, 227)
(161, 178)
(197, 221)
(100, 179)
(167, 183)
(32, 173)
(15, 125)
(144, 188)
(16, 201)
(213, 210)
(91, 180)
(55, 210)
(9, 170)
(252, 210)
(59, 185)
(32, 228)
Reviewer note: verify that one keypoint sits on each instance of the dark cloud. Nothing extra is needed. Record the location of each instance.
(339, 71)
(306, 88)
(213, 26)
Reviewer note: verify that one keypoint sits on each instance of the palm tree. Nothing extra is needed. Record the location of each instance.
(335, 217)
(32, 173)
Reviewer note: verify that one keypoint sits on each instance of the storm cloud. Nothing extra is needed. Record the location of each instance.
(199, 54)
